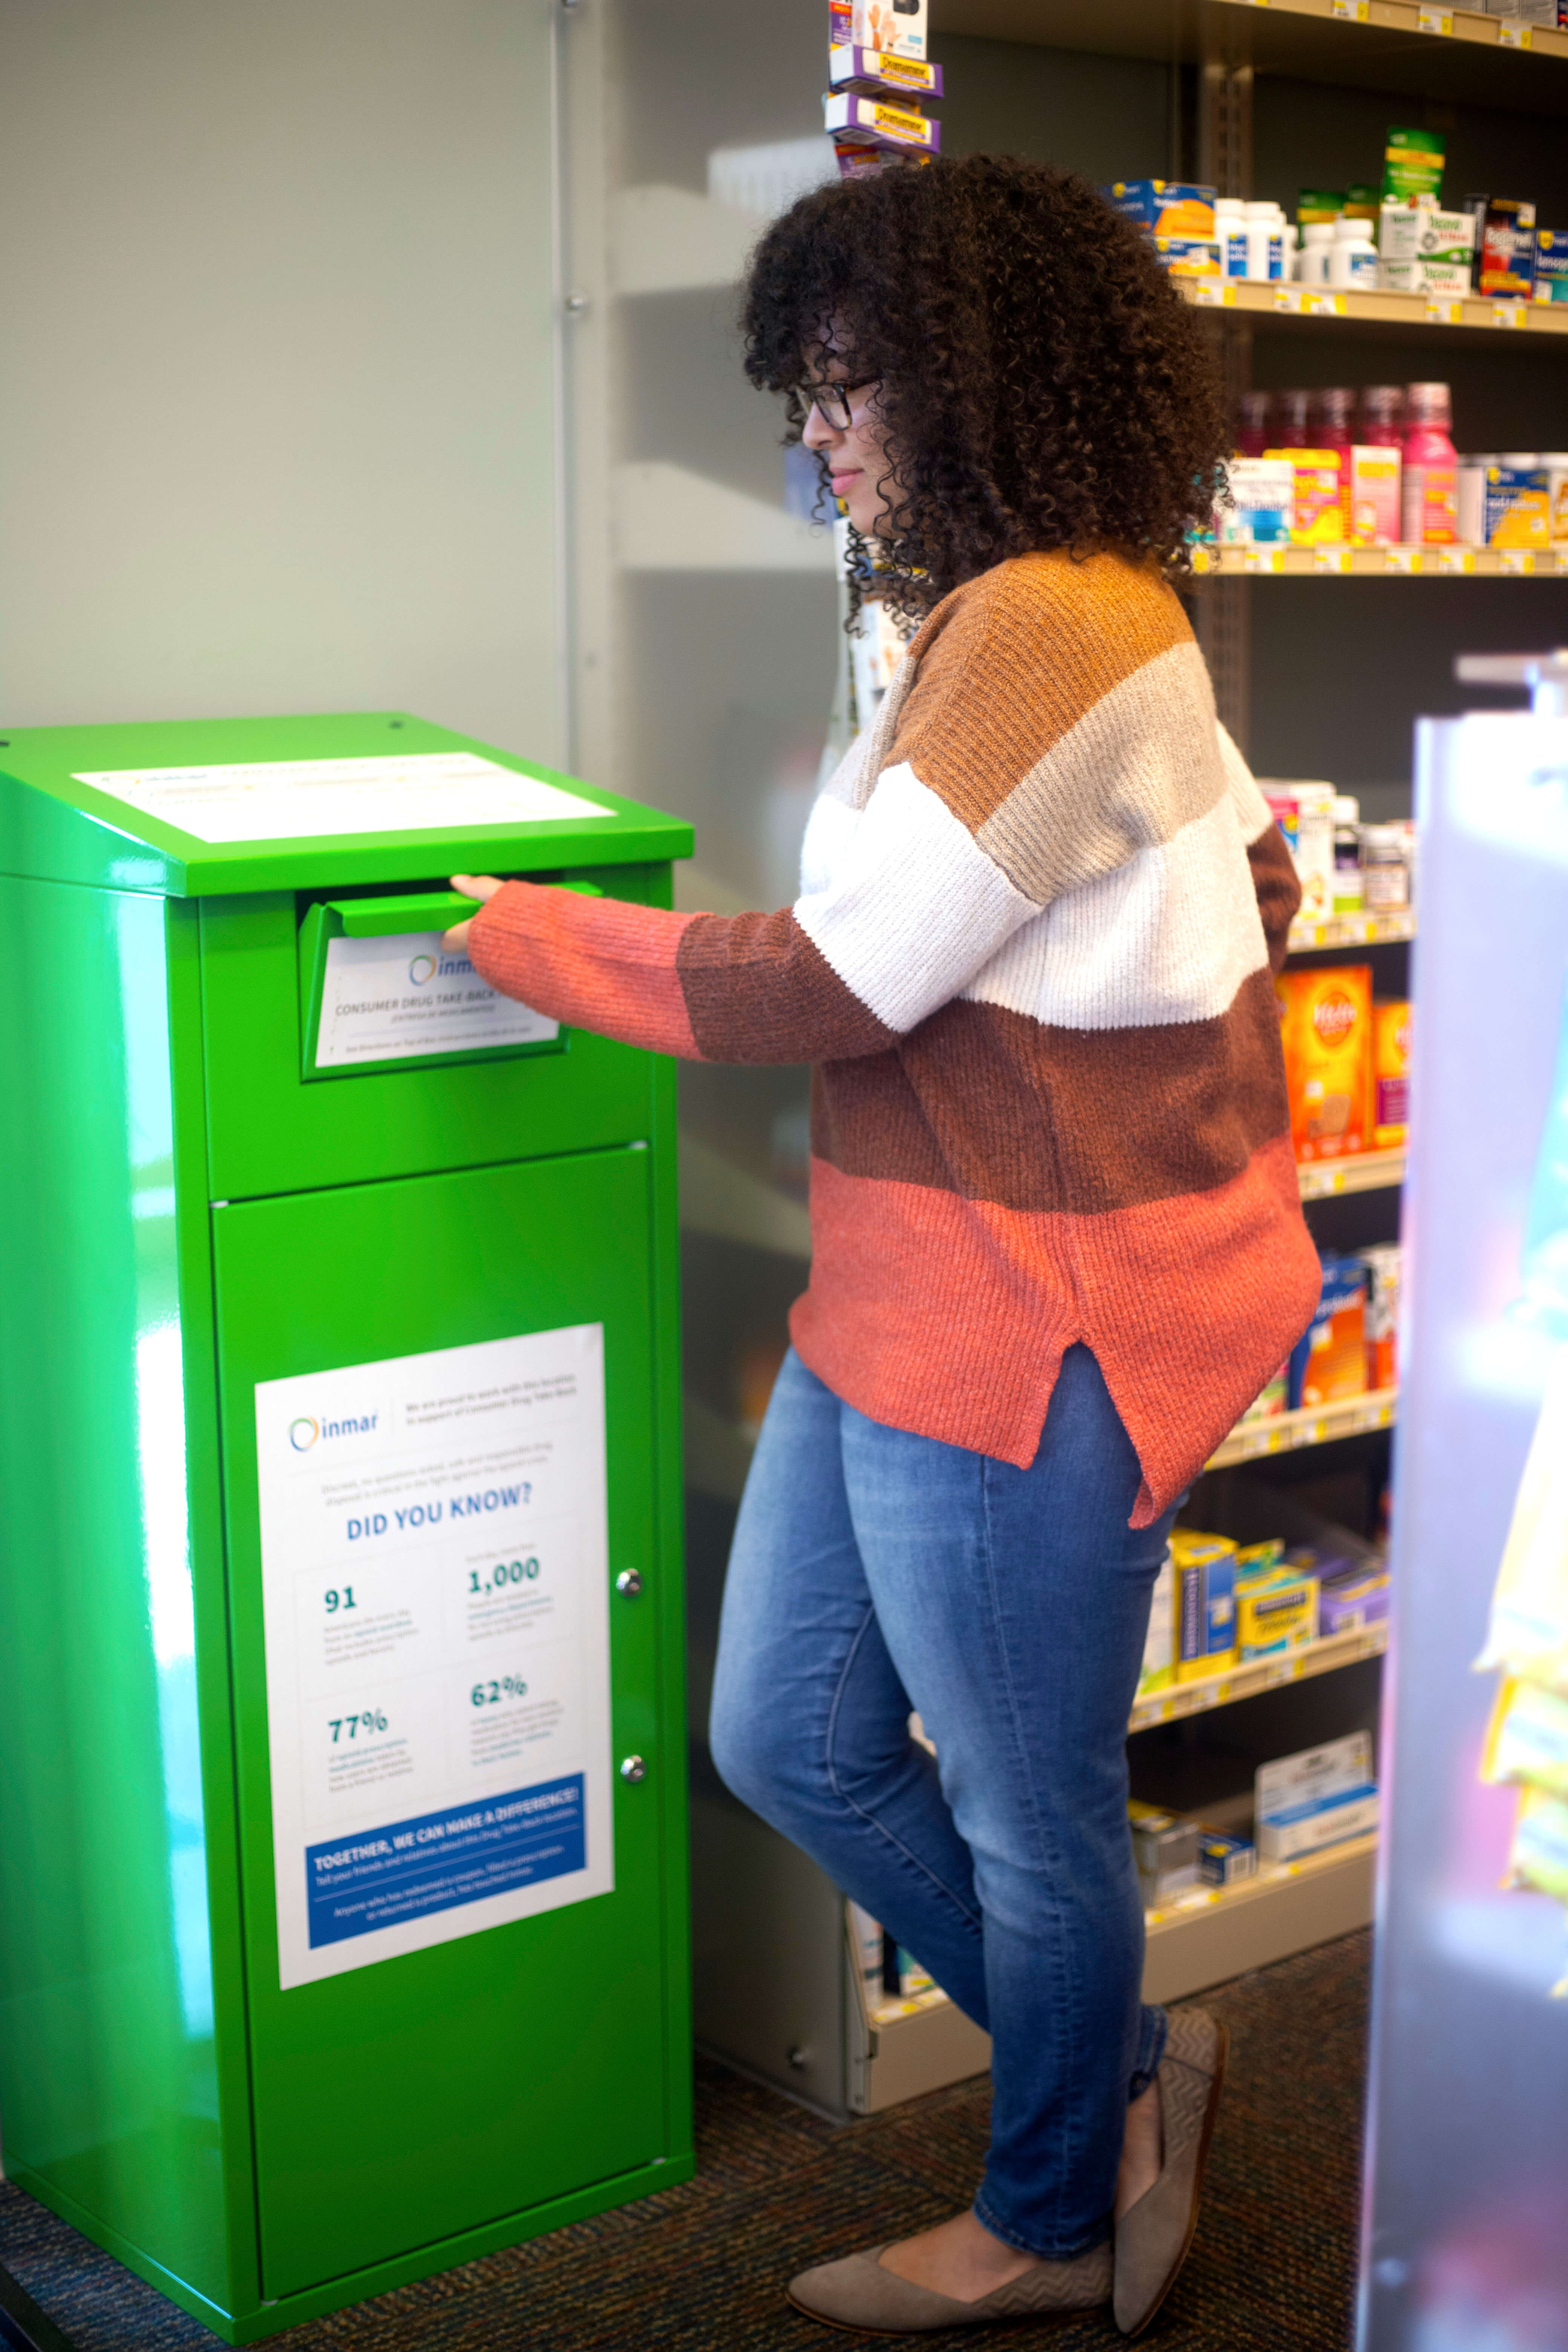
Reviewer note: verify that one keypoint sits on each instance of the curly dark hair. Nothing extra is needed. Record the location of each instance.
(1044, 385)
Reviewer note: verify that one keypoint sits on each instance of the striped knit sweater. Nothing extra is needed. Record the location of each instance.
(1041, 903)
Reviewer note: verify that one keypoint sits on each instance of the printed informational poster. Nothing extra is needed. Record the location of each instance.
(384, 1000)
(435, 1584)
(303, 800)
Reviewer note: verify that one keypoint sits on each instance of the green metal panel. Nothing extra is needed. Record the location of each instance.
(436, 2056)
(53, 826)
(262, 2156)
(108, 2084)
(268, 1133)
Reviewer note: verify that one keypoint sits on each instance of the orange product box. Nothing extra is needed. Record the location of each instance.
(1390, 1076)
(1326, 1029)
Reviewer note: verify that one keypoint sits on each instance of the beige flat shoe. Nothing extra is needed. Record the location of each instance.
(858, 2293)
(1153, 2236)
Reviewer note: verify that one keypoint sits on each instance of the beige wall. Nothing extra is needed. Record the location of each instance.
(277, 362)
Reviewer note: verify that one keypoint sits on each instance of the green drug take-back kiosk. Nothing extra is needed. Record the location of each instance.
(343, 1864)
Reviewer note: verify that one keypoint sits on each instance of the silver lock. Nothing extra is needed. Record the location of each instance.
(629, 1581)
(633, 1768)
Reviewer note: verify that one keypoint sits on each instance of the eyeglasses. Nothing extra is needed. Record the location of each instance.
(833, 402)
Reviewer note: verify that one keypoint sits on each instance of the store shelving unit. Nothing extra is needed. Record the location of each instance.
(1259, 1675)
(1314, 1424)
(1406, 314)
(1367, 1171)
(695, 557)
(1333, 562)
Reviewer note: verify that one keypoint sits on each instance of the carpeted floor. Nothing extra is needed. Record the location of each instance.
(702, 2268)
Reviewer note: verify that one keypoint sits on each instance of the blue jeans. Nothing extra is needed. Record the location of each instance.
(874, 1572)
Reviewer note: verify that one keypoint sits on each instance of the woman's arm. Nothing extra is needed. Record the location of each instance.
(914, 908)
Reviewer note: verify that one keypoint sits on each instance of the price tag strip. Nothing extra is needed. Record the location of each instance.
(435, 1572)
(1439, 21)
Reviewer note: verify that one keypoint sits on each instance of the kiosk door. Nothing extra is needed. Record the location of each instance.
(438, 1403)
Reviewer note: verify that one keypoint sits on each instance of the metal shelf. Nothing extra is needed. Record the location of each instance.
(1203, 1938)
(1446, 314)
(1403, 46)
(1350, 931)
(1259, 1675)
(1313, 1424)
(1217, 1933)
(1339, 562)
(1363, 1171)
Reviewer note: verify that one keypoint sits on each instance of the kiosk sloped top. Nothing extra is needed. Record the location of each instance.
(196, 807)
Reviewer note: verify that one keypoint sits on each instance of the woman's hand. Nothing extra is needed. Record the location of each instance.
(470, 885)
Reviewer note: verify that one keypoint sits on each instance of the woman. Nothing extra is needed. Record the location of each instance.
(1056, 1242)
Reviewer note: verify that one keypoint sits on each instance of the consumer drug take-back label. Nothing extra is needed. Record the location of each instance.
(293, 799)
(392, 999)
(434, 1562)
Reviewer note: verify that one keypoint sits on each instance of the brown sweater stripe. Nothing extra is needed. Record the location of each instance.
(1120, 1116)
(757, 990)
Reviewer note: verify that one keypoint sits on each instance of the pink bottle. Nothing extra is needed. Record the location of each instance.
(1429, 489)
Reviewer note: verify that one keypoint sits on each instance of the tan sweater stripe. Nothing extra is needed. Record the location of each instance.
(1139, 765)
(1051, 636)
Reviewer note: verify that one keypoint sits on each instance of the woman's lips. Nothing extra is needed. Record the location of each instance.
(841, 480)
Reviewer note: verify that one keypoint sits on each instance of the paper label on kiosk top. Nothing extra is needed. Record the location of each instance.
(294, 799)
(384, 1000)
(435, 1588)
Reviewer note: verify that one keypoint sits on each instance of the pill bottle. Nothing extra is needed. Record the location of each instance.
(1470, 497)
(1385, 868)
(1352, 256)
(1230, 235)
(1350, 895)
(1317, 237)
(1382, 415)
(1429, 483)
(1264, 242)
(1254, 430)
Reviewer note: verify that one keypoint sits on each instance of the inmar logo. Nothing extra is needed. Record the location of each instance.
(428, 967)
(303, 1433)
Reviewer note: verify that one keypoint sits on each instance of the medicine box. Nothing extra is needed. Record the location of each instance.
(1552, 265)
(1315, 1799)
(1326, 1031)
(1261, 504)
(1189, 257)
(1206, 1603)
(1166, 207)
(1516, 506)
(1422, 250)
(1304, 813)
(1165, 1849)
(878, 124)
(872, 71)
(1275, 1614)
(1505, 241)
(1389, 1074)
(1319, 520)
(1348, 1603)
(893, 28)
(1413, 166)
(1224, 1861)
(1374, 475)
(1160, 1642)
(1328, 1364)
